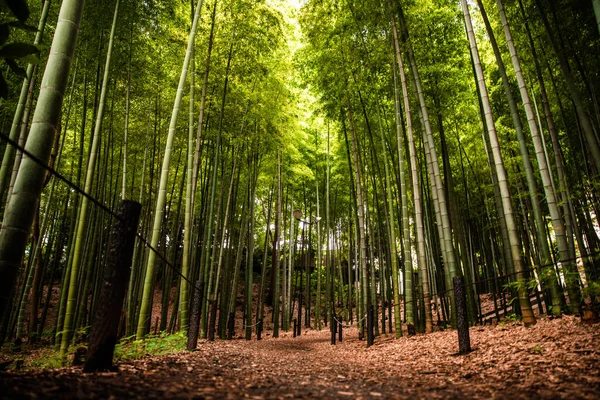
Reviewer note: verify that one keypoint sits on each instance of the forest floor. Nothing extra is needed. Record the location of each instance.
(557, 358)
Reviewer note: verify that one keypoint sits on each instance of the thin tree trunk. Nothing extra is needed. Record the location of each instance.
(392, 217)
(126, 131)
(194, 175)
(9, 152)
(275, 250)
(557, 221)
(541, 238)
(89, 180)
(145, 310)
(584, 120)
(527, 313)
(250, 250)
(361, 218)
(434, 171)
(416, 186)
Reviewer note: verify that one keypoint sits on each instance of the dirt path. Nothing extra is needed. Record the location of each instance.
(554, 359)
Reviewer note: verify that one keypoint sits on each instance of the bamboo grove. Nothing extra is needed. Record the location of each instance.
(301, 163)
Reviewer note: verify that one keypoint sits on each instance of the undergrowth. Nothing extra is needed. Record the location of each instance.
(127, 349)
(153, 345)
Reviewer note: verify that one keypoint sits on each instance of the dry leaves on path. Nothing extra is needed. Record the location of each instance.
(557, 358)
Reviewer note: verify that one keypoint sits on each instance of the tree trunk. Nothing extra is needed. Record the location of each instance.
(416, 186)
(361, 218)
(24, 97)
(434, 172)
(275, 250)
(145, 310)
(557, 221)
(527, 313)
(18, 216)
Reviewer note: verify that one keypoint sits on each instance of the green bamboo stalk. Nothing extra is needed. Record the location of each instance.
(145, 310)
(19, 212)
(551, 198)
(9, 152)
(434, 172)
(527, 313)
(318, 261)
(275, 254)
(187, 234)
(542, 241)
(361, 217)
(89, 180)
(250, 251)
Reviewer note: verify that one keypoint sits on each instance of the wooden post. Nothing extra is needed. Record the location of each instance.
(383, 318)
(212, 320)
(333, 328)
(259, 328)
(299, 325)
(117, 271)
(370, 333)
(230, 326)
(340, 326)
(195, 317)
(462, 320)
(295, 323)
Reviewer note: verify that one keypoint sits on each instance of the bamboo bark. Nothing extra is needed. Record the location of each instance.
(527, 313)
(145, 309)
(551, 198)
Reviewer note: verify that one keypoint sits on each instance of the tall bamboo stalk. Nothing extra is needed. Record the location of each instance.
(89, 180)
(9, 152)
(145, 310)
(527, 313)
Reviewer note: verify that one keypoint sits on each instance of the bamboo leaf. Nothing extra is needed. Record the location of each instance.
(3, 87)
(22, 26)
(16, 69)
(19, 8)
(4, 32)
(18, 50)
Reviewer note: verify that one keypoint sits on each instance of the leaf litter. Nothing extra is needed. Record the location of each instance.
(557, 358)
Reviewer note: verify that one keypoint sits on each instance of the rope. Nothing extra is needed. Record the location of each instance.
(347, 326)
(251, 326)
(95, 201)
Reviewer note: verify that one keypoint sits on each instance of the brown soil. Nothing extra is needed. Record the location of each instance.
(557, 358)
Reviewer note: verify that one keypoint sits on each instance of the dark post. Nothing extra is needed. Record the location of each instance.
(230, 326)
(383, 309)
(332, 328)
(295, 323)
(117, 270)
(259, 328)
(462, 321)
(299, 325)
(212, 320)
(370, 334)
(341, 324)
(195, 317)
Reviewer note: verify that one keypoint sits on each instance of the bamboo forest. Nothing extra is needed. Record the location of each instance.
(299, 198)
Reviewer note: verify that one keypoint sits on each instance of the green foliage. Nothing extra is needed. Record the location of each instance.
(530, 284)
(19, 9)
(126, 349)
(153, 345)
(511, 317)
(537, 349)
(48, 360)
(10, 53)
(592, 289)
